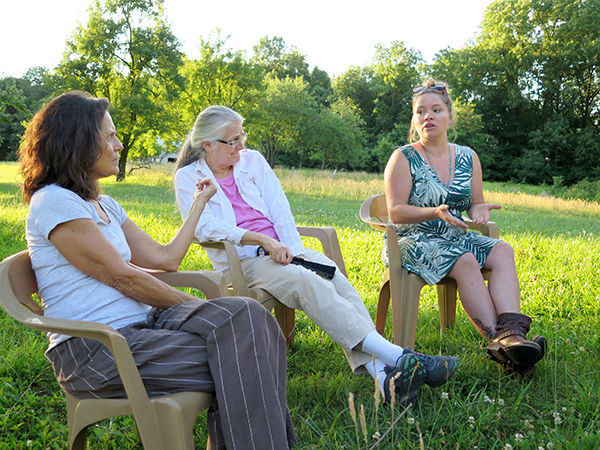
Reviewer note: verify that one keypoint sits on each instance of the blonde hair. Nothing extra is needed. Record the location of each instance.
(210, 125)
(428, 88)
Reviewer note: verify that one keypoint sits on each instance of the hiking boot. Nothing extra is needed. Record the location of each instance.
(527, 371)
(510, 343)
(439, 368)
(407, 376)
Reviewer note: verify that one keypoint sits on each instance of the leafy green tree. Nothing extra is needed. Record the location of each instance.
(283, 118)
(534, 61)
(20, 98)
(337, 138)
(397, 68)
(276, 58)
(358, 89)
(127, 53)
(220, 77)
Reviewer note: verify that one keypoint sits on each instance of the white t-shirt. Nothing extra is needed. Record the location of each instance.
(67, 292)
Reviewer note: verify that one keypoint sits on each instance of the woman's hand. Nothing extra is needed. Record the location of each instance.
(278, 252)
(206, 189)
(442, 213)
(480, 212)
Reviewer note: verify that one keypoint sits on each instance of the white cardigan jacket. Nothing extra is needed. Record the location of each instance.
(258, 186)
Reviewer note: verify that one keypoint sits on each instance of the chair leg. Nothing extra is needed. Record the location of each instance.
(405, 308)
(286, 318)
(79, 442)
(447, 305)
(383, 304)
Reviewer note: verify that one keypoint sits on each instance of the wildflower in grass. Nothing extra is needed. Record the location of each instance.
(444, 396)
(411, 420)
(500, 402)
(550, 446)
(564, 408)
(471, 421)
(508, 447)
(557, 419)
(376, 435)
(519, 437)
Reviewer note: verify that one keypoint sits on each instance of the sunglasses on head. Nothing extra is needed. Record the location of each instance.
(437, 87)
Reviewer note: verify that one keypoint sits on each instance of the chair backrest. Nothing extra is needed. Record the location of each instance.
(374, 212)
(17, 286)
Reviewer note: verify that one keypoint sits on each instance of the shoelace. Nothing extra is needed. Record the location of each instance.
(428, 360)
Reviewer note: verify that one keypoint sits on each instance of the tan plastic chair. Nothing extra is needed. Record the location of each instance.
(285, 316)
(163, 423)
(405, 288)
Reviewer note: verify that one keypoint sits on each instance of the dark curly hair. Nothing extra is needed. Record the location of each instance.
(62, 144)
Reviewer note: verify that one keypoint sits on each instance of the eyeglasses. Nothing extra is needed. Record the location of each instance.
(235, 142)
(437, 87)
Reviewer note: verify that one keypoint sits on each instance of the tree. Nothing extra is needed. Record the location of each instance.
(127, 53)
(283, 118)
(534, 61)
(220, 77)
(337, 138)
(20, 98)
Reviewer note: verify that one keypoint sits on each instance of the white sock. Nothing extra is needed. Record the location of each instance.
(375, 344)
(376, 371)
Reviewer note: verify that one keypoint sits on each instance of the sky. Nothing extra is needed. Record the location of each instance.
(333, 35)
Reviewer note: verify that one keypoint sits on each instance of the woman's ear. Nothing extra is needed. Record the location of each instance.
(207, 146)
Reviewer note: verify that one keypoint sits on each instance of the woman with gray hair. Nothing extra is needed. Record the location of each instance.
(251, 210)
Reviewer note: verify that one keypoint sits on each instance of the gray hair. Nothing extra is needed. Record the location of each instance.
(210, 125)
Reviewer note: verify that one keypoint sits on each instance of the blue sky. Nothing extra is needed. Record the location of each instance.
(333, 35)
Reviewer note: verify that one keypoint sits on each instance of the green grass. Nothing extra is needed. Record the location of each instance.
(556, 242)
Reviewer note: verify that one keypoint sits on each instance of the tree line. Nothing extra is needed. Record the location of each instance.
(527, 90)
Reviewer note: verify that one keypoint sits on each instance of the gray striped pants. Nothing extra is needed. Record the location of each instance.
(232, 346)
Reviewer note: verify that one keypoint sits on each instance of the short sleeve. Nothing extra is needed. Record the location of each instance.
(53, 205)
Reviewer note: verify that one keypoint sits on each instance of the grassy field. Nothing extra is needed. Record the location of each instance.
(556, 243)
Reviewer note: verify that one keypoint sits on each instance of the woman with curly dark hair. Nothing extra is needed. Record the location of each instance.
(86, 255)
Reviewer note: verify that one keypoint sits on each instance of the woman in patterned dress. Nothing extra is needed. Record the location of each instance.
(428, 185)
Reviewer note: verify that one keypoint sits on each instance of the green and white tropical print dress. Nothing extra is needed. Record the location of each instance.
(430, 249)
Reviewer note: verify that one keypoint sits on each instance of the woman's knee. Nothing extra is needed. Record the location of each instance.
(467, 262)
(502, 253)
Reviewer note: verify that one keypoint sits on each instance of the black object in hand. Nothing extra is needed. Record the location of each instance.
(320, 269)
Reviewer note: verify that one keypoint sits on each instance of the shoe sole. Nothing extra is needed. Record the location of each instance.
(523, 355)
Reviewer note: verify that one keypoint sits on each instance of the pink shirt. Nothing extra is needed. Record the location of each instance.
(246, 217)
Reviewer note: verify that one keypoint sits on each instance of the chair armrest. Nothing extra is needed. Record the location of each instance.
(329, 240)
(489, 229)
(210, 282)
(112, 339)
(375, 203)
(238, 281)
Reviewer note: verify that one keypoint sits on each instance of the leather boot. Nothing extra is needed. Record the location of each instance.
(510, 343)
(526, 371)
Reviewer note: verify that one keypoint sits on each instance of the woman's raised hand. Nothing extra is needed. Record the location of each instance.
(206, 189)
(480, 213)
(443, 213)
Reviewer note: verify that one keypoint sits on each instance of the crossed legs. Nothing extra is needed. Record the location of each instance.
(484, 303)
